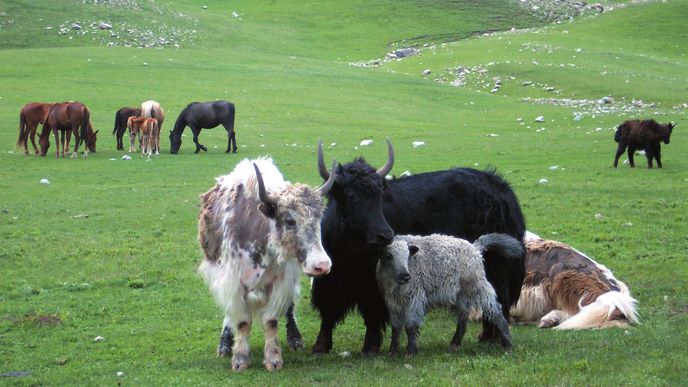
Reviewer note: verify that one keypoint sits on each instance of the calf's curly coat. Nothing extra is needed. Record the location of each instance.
(416, 273)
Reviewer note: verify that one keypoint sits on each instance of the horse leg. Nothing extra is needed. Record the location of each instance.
(132, 140)
(631, 153)
(199, 147)
(76, 142)
(32, 134)
(619, 151)
(62, 145)
(57, 143)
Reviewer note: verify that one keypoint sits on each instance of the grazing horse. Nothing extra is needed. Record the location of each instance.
(152, 109)
(121, 118)
(68, 117)
(204, 115)
(30, 116)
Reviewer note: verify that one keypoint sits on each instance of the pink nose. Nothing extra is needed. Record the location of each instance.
(321, 269)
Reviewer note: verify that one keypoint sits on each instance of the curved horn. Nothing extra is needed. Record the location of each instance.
(325, 188)
(321, 162)
(264, 197)
(390, 161)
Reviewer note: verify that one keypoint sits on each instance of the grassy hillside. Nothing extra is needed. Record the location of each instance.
(109, 248)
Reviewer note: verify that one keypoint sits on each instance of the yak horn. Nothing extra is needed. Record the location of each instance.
(325, 188)
(264, 197)
(390, 161)
(321, 163)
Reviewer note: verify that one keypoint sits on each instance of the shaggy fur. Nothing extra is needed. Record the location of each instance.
(417, 273)
(644, 135)
(254, 252)
(566, 289)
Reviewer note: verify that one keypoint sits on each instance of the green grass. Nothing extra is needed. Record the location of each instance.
(109, 248)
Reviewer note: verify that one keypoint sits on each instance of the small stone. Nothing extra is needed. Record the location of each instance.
(405, 174)
(98, 339)
(126, 157)
(554, 167)
(345, 354)
(427, 72)
(366, 142)
(540, 119)
(416, 144)
(408, 366)
(45, 181)
(543, 181)
(599, 216)
(120, 374)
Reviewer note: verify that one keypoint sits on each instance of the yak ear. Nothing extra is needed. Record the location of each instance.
(413, 249)
(97, 131)
(267, 210)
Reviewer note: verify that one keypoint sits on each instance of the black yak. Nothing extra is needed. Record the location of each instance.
(363, 213)
(646, 135)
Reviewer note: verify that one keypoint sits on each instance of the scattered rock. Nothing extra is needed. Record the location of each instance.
(599, 216)
(427, 72)
(403, 52)
(126, 157)
(98, 339)
(408, 366)
(345, 354)
(405, 174)
(120, 374)
(543, 181)
(366, 142)
(105, 26)
(45, 181)
(76, 26)
(540, 119)
(416, 144)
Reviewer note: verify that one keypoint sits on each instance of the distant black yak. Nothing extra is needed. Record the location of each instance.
(646, 135)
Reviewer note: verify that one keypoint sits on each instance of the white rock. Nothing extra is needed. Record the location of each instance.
(99, 339)
(126, 157)
(408, 366)
(492, 135)
(554, 167)
(205, 7)
(405, 174)
(45, 181)
(234, 14)
(366, 142)
(345, 354)
(120, 374)
(416, 144)
(113, 159)
(599, 216)
(543, 181)
(427, 72)
(540, 119)
(333, 144)
(104, 26)
(628, 224)
(262, 145)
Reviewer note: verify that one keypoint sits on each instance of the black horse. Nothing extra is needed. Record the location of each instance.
(121, 118)
(204, 115)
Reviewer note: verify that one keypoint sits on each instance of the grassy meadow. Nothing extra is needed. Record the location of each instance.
(109, 248)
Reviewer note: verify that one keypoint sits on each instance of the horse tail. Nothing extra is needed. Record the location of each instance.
(118, 123)
(23, 130)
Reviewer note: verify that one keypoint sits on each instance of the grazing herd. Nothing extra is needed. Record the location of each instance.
(145, 122)
(391, 249)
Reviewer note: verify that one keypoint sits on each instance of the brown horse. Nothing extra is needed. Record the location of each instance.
(68, 117)
(30, 116)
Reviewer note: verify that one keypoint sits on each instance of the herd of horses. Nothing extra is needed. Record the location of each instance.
(66, 118)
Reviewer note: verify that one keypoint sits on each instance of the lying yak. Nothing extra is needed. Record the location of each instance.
(566, 289)
(645, 135)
